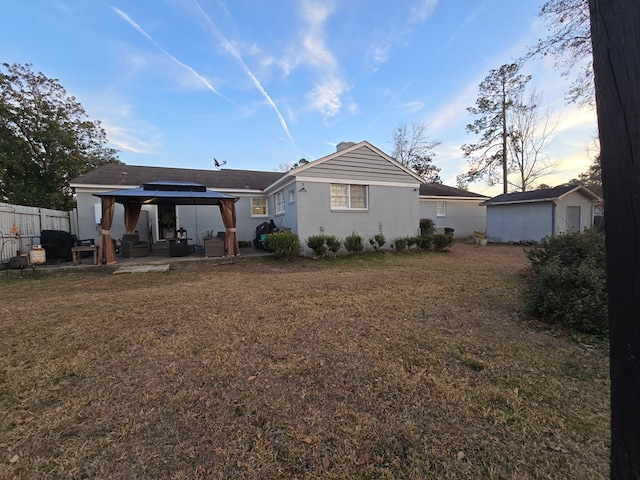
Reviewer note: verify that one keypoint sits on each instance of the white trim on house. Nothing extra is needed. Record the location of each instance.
(274, 187)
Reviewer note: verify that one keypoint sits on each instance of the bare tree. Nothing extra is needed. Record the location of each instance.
(413, 149)
(285, 167)
(615, 27)
(569, 44)
(532, 131)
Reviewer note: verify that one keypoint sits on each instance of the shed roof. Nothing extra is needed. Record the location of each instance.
(542, 195)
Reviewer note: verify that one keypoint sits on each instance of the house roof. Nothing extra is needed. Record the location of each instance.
(543, 195)
(132, 175)
(440, 190)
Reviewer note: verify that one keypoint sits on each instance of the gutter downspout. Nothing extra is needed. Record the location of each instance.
(553, 218)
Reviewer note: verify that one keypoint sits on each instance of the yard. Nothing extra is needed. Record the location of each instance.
(378, 366)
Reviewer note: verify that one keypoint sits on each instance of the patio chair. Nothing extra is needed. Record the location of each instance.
(133, 247)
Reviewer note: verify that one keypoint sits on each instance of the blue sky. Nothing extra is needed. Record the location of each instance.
(261, 83)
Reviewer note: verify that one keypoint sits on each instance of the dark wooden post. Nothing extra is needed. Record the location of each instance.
(615, 32)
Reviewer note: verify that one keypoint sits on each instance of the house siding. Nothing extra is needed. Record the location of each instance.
(574, 200)
(316, 216)
(519, 222)
(288, 219)
(464, 216)
(361, 165)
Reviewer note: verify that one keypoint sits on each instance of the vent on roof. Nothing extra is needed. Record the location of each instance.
(343, 145)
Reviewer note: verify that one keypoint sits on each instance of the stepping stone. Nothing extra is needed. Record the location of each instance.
(142, 269)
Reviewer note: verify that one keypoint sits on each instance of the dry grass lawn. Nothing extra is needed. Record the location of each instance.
(411, 366)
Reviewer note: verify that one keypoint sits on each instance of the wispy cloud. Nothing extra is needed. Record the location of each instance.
(204, 81)
(422, 10)
(123, 140)
(325, 97)
(412, 106)
(311, 50)
(380, 50)
(123, 131)
(229, 48)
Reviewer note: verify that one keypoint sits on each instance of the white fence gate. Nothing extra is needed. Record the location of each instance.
(20, 227)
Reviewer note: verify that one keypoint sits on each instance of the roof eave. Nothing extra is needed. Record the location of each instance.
(449, 197)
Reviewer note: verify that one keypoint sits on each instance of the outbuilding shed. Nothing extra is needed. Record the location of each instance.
(531, 216)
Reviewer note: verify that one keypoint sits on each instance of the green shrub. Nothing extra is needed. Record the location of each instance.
(333, 243)
(400, 244)
(353, 243)
(317, 244)
(412, 242)
(377, 241)
(567, 282)
(425, 242)
(441, 241)
(284, 245)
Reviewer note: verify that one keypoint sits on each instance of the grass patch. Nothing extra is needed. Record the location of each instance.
(381, 366)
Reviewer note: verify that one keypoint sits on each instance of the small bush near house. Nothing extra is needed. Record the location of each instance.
(377, 241)
(567, 282)
(425, 242)
(317, 244)
(413, 242)
(442, 241)
(400, 244)
(333, 243)
(353, 243)
(284, 245)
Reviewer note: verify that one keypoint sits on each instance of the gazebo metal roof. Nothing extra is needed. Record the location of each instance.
(173, 193)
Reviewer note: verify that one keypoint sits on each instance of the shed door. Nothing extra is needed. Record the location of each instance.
(573, 219)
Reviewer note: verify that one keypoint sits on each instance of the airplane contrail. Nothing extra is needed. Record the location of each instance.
(234, 53)
(130, 21)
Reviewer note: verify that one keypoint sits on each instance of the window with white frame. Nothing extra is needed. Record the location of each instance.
(259, 207)
(349, 197)
(280, 202)
(441, 209)
(292, 196)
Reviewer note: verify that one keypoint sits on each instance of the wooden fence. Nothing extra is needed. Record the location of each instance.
(20, 227)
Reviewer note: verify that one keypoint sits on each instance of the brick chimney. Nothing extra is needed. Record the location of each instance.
(343, 145)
